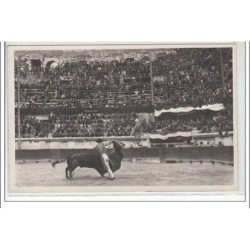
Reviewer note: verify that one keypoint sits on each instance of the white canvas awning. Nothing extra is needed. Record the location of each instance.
(212, 107)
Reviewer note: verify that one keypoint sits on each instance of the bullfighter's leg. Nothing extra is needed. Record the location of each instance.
(67, 172)
(105, 160)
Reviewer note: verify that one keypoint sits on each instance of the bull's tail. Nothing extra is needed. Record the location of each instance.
(56, 162)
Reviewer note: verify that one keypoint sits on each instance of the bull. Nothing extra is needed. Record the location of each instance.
(93, 160)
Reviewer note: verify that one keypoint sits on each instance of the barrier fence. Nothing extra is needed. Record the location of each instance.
(189, 153)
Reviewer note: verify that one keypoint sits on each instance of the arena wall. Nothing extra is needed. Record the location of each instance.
(136, 149)
(158, 154)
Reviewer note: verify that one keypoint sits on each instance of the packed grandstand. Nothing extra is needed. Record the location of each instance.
(110, 95)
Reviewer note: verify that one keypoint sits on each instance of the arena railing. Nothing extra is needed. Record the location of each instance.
(52, 139)
(136, 149)
(123, 138)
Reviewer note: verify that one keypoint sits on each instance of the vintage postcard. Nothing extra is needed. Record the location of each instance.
(121, 118)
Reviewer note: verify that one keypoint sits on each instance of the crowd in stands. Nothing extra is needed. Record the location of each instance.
(95, 125)
(87, 84)
(192, 77)
(221, 122)
(81, 125)
(180, 78)
(183, 77)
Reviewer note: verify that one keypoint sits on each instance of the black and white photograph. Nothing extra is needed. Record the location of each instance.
(124, 125)
(121, 118)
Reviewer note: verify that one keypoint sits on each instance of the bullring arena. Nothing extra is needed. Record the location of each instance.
(141, 166)
(171, 107)
(32, 174)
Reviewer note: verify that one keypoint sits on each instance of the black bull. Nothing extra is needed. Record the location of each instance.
(93, 160)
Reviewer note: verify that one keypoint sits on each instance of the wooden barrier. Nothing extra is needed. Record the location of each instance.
(179, 154)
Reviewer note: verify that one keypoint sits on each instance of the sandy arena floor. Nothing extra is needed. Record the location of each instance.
(42, 174)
